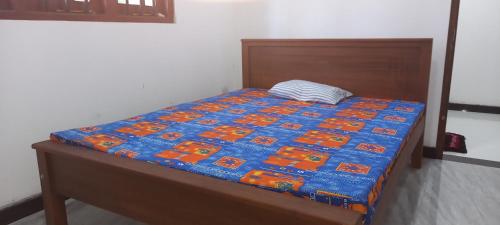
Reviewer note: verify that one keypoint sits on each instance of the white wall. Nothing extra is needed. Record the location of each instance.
(368, 19)
(476, 73)
(59, 75)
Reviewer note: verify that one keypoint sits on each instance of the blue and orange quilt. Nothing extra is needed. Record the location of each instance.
(335, 154)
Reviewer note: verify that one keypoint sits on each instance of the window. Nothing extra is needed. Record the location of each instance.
(147, 11)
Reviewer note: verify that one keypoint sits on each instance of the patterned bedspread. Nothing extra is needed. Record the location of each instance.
(335, 154)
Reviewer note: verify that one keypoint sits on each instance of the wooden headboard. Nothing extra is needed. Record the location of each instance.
(379, 68)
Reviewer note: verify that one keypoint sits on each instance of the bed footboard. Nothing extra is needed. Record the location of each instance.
(158, 195)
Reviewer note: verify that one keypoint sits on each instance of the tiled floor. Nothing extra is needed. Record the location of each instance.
(482, 132)
(441, 193)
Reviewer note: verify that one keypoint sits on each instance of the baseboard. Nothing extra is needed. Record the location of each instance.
(467, 160)
(474, 108)
(21, 209)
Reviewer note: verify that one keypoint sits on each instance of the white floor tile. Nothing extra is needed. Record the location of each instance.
(482, 133)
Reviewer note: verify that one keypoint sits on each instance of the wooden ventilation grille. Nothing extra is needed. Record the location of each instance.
(142, 7)
(63, 6)
(157, 11)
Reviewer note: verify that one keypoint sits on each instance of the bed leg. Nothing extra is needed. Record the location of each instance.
(53, 203)
(416, 157)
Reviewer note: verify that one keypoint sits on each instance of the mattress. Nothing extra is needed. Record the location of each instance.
(335, 154)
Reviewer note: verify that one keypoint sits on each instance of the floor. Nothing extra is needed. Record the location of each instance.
(441, 193)
(482, 133)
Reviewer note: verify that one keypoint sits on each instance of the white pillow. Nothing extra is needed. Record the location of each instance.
(302, 90)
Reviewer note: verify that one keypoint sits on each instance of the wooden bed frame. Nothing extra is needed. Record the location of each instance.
(383, 68)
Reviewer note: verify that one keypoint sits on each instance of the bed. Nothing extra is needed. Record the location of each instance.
(228, 159)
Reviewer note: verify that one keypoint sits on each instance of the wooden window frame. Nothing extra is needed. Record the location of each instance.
(111, 13)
